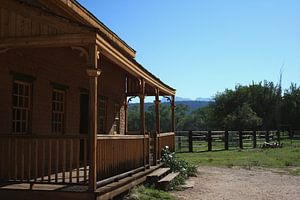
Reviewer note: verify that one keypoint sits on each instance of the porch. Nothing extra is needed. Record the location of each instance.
(65, 83)
(52, 166)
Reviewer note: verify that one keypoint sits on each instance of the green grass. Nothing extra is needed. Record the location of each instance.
(147, 193)
(287, 157)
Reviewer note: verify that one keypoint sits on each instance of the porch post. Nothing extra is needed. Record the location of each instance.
(157, 132)
(142, 116)
(173, 113)
(126, 115)
(93, 72)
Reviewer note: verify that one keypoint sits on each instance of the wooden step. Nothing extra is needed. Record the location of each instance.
(165, 181)
(157, 174)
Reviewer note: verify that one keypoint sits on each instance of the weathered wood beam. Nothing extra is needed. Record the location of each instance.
(129, 66)
(142, 117)
(93, 72)
(48, 41)
(157, 120)
(173, 113)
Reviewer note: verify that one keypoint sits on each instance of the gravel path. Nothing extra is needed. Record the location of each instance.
(214, 183)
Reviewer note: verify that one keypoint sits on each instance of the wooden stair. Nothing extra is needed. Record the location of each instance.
(165, 181)
(157, 174)
(162, 178)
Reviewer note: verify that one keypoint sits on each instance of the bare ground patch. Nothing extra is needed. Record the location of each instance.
(214, 183)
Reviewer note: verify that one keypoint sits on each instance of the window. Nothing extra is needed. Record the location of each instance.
(21, 106)
(102, 114)
(58, 110)
(116, 125)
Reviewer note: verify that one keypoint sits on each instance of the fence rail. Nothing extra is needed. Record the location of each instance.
(197, 141)
(43, 159)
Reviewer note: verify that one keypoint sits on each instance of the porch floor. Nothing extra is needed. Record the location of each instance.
(68, 191)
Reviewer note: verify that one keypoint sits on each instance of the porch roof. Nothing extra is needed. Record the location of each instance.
(116, 42)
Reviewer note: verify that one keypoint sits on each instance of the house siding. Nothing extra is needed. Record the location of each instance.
(63, 66)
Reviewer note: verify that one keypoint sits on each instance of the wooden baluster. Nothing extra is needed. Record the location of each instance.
(2, 158)
(36, 159)
(29, 159)
(85, 161)
(50, 160)
(22, 158)
(16, 160)
(64, 161)
(71, 161)
(77, 159)
(43, 158)
(9, 158)
(57, 161)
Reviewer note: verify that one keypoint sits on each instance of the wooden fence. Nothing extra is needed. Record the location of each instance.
(43, 159)
(195, 141)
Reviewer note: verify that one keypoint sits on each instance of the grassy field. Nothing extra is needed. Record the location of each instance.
(287, 157)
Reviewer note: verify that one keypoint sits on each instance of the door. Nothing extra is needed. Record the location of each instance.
(84, 120)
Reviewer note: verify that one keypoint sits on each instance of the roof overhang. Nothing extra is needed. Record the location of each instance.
(128, 63)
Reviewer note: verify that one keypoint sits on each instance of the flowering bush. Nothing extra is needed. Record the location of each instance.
(184, 168)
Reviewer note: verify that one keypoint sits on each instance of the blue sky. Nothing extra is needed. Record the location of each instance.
(201, 47)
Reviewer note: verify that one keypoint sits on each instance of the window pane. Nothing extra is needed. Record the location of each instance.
(57, 111)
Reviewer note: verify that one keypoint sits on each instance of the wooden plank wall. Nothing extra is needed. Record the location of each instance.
(43, 159)
(116, 155)
(13, 24)
(165, 139)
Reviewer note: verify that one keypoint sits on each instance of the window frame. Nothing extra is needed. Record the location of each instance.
(102, 115)
(117, 120)
(61, 124)
(21, 78)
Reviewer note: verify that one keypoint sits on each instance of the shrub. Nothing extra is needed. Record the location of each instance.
(184, 168)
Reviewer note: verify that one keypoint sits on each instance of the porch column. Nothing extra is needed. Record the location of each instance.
(142, 116)
(126, 115)
(157, 126)
(173, 113)
(93, 72)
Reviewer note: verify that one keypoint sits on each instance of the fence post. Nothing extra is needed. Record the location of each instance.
(190, 141)
(267, 136)
(278, 136)
(254, 139)
(226, 140)
(209, 141)
(241, 139)
(179, 143)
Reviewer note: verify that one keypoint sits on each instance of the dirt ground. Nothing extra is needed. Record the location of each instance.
(214, 183)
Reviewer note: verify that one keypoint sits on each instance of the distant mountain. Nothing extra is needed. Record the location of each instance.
(192, 105)
(182, 99)
(203, 99)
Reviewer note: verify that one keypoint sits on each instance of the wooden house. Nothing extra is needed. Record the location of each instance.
(65, 81)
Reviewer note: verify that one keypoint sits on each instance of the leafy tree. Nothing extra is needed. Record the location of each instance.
(242, 118)
(290, 108)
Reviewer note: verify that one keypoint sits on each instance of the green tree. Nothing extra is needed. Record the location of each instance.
(243, 118)
(290, 108)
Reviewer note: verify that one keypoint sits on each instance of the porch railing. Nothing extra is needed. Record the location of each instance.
(43, 159)
(120, 154)
(165, 139)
